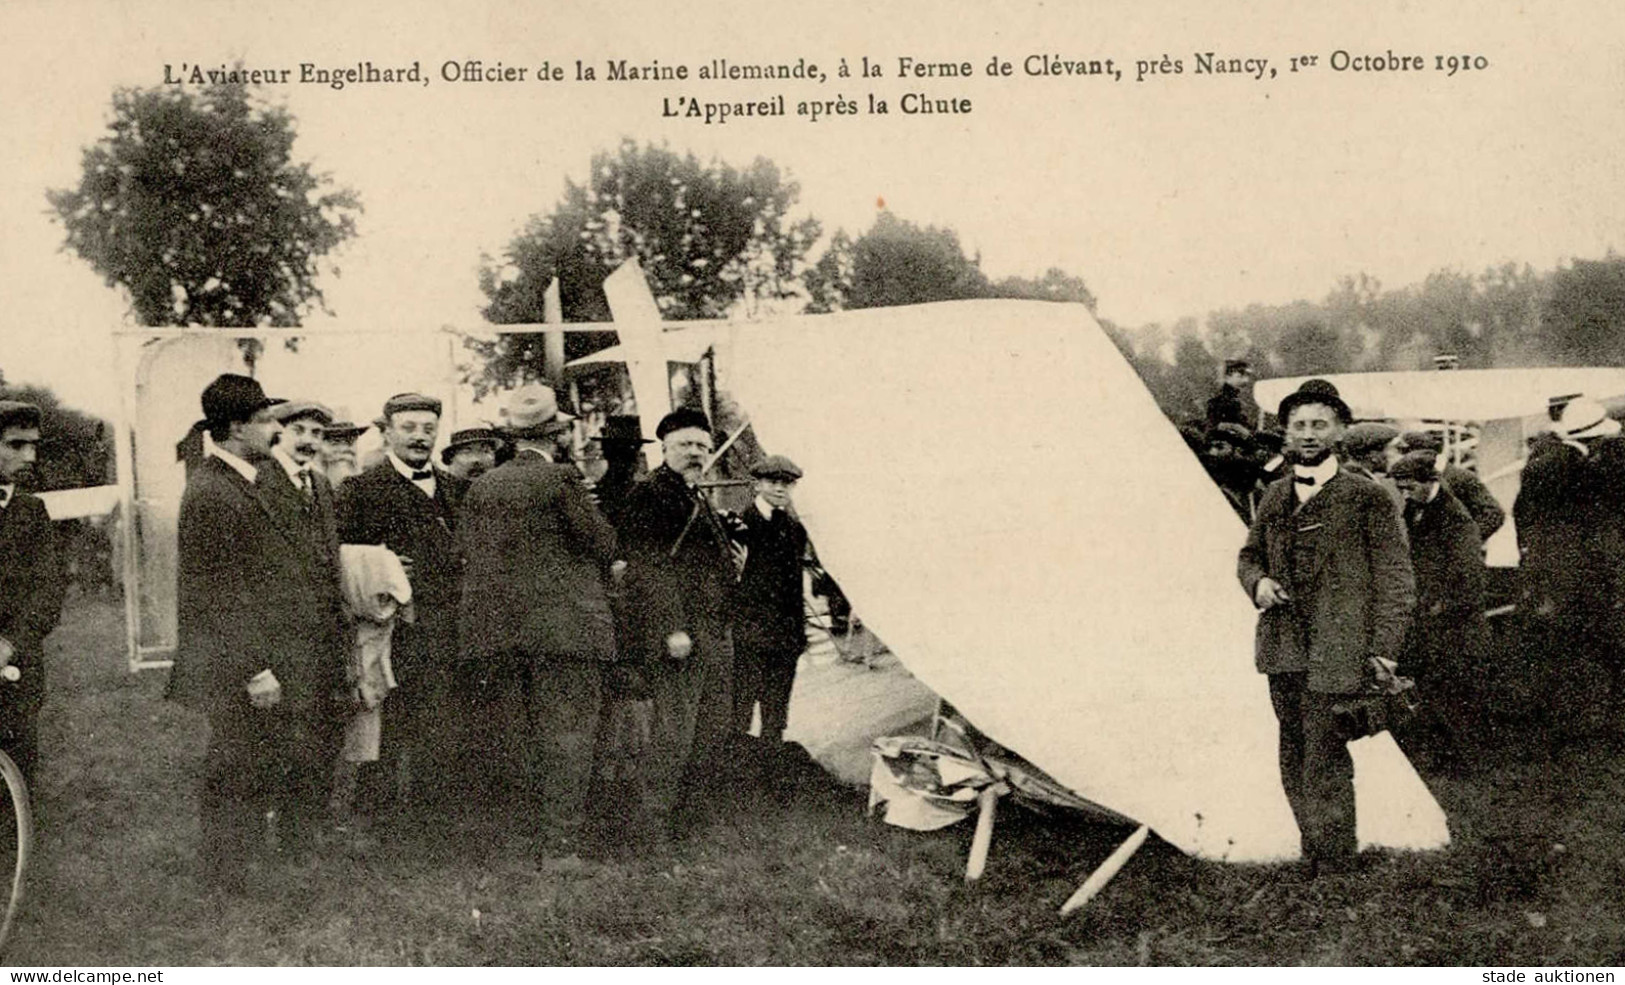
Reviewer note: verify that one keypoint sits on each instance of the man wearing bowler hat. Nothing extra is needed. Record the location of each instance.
(535, 614)
(770, 628)
(406, 504)
(679, 589)
(31, 585)
(255, 650)
(1326, 564)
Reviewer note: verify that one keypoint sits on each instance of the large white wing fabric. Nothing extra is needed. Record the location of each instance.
(1008, 508)
(1459, 395)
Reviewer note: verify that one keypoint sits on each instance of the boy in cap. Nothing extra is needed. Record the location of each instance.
(770, 613)
(31, 585)
(1464, 484)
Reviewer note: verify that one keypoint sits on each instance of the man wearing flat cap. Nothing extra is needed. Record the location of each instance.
(536, 618)
(256, 648)
(406, 504)
(31, 585)
(1327, 566)
(680, 581)
(770, 613)
(1464, 484)
(1445, 643)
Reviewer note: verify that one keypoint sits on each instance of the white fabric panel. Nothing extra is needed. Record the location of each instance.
(1009, 510)
(1456, 395)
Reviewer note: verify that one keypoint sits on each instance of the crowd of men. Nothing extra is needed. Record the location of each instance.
(590, 653)
(1364, 556)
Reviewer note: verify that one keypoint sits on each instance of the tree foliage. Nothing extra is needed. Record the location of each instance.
(711, 238)
(76, 449)
(193, 203)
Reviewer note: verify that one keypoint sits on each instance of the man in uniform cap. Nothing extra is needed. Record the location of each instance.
(256, 644)
(31, 585)
(536, 620)
(770, 614)
(471, 452)
(1326, 564)
(407, 505)
(680, 580)
(1234, 403)
(1464, 484)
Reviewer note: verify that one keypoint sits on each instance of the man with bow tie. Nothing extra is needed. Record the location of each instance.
(406, 504)
(1327, 564)
(770, 628)
(30, 584)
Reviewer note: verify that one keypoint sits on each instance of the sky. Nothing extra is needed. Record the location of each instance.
(1173, 196)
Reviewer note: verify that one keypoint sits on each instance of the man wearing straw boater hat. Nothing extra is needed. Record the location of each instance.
(535, 616)
(472, 452)
(679, 588)
(30, 585)
(1327, 566)
(255, 649)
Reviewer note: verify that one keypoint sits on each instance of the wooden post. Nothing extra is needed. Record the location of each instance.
(1101, 876)
(987, 803)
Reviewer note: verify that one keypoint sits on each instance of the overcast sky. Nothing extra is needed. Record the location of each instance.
(1169, 197)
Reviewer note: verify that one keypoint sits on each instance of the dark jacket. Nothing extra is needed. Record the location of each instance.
(1229, 406)
(31, 586)
(536, 553)
(1448, 559)
(770, 614)
(1357, 598)
(381, 506)
(254, 591)
(1558, 518)
(680, 572)
(1476, 498)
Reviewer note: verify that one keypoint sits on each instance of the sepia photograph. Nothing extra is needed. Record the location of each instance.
(946, 484)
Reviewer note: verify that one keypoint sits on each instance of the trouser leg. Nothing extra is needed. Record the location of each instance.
(709, 769)
(566, 696)
(233, 794)
(747, 686)
(1286, 696)
(675, 688)
(778, 680)
(1328, 781)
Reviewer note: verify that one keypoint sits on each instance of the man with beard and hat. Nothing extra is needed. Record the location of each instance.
(338, 451)
(1327, 566)
(407, 505)
(621, 442)
(535, 615)
(1463, 484)
(1231, 460)
(257, 647)
(472, 452)
(679, 591)
(1567, 519)
(1445, 644)
(31, 584)
(770, 621)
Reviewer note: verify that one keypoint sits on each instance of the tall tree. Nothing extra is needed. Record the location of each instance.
(710, 237)
(193, 203)
(1583, 319)
(896, 262)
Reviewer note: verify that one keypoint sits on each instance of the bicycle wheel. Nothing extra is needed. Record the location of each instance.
(16, 841)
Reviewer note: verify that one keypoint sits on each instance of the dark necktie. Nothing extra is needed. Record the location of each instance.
(1307, 480)
(421, 474)
(305, 484)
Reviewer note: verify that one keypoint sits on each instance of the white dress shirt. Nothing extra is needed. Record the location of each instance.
(427, 485)
(242, 468)
(6, 492)
(1321, 473)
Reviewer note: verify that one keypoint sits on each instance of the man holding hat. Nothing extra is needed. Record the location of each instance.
(680, 580)
(407, 505)
(770, 614)
(1326, 564)
(472, 452)
(255, 650)
(1464, 484)
(31, 585)
(535, 616)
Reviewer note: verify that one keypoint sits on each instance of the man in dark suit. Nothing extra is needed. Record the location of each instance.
(406, 504)
(30, 585)
(1327, 565)
(770, 620)
(1461, 483)
(535, 614)
(621, 442)
(680, 579)
(1234, 404)
(257, 648)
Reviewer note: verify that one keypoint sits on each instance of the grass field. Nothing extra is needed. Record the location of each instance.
(1534, 876)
